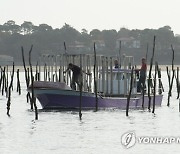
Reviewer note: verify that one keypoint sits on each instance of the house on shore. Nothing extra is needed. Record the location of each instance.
(128, 42)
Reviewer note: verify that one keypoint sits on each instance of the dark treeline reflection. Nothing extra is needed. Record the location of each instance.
(48, 40)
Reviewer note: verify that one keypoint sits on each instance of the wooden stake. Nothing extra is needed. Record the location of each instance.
(129, 96)
(111, 77)
(119, 57)
(1, 79)
(18, 83)
(177, 83)
(6, 83)
(80, 87)
(4, 80)
(172, 79)
(149, 79)
(95, 83)
(154, 91)
(147, 49)
(143, 92)
(9, 92)
(25, 69)
(161, 89)
(33, 100)
(36, 75)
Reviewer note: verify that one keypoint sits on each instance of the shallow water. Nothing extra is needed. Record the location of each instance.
(98, 132)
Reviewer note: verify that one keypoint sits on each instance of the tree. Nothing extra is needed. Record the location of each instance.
(84, 31)
(135, 33)
(27, 27)
(110, 37)
(123, 32)
(165, 37)
(85, 37)
(11, 27)
(44, 28)
(96, 34)
(69, 34)
(146, 37)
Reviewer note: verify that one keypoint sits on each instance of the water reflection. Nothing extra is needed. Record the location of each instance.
(32, 127)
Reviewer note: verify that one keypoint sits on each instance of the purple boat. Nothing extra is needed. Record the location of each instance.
(57, 95)
(113, 87)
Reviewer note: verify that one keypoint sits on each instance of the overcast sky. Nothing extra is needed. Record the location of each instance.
(94, 14)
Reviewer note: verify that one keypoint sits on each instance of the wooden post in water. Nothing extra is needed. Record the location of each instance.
(88, 70)
(28, 94)
(55, 63)
(40, 63)
(33, 99)
(60, 68)
(111, 77)
(45, 72)
(44, 67)
(36, 75)
(64, 68)
(130, 90)
(95, 82)
(9, 101)
(80, 89)
(154, 90)
(125, 76)
(143, 92)
(1, 79)
(168, 75)
(119, 74)
(18, 83)
(9, 92)
(48, 68)
(172, 79)
(119, 57)
(38, 71)
(147, 49)
(90, 77)
(67, 62)
(52, 67)
(149, 78)
(161, 89)
(6, 83)
(84, 78)
(107, 77)
(4, 80)
(25, 69)
(177, 83)
(103, 75)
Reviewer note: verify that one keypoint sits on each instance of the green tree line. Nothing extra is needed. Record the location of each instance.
(46, 39)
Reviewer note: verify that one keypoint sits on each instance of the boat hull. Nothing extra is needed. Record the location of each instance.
(69, 99)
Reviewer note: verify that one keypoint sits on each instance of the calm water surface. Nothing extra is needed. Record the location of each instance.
(99, 132)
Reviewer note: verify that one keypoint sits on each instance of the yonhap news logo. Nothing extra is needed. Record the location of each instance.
(129, 139)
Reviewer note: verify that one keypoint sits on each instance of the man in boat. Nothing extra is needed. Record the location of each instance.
(77, 75)
(141, 84)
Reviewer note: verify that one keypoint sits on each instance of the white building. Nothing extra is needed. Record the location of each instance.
(129, 42)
